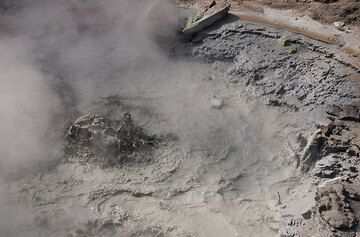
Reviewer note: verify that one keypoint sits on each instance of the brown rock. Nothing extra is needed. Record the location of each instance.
(333, 208)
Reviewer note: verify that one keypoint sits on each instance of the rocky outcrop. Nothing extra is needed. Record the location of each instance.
(98, 138)
(313, 150)
(332, 153)
(345, 112)
(333, 209)
(334, 142)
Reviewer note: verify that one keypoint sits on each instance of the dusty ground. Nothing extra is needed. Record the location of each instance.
(330, 11)
(242, 114)
(327, 11)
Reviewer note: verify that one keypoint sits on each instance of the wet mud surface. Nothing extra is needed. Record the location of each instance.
(246, 130)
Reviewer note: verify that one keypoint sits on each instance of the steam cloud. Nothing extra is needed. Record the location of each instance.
(61, 54)
(26, 107)
(57, 55)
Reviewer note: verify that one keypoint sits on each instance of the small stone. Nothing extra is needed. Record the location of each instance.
(353, 169)
(216, 102)
(328, 173)
(292, 50)
(234, 80)
(306, 215)
(353, 151)
(339, 25)
(284, 42)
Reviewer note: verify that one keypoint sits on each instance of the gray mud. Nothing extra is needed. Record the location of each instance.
(236, 104)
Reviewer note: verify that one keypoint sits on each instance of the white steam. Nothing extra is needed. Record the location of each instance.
(88, 45)
(26, 106)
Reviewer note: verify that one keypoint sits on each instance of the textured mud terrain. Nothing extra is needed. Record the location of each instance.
(327, 11)
(241, 130)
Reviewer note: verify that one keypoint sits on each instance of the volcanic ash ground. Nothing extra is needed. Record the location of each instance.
(241, 130)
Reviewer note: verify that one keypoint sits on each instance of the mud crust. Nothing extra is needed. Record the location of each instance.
(249, 167)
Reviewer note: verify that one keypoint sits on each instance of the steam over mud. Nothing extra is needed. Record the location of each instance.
(56, 54)
(27, 107)
(114, 124)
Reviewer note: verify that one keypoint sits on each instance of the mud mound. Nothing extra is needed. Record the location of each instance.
(103, 226)
(108, 141)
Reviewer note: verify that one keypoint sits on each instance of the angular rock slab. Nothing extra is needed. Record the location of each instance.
(206, 17)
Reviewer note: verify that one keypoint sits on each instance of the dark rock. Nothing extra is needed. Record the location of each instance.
(333, 209)
(337, 144)
(335, 138)
(278, 103)
(346, 112)
(353, 169)
(353, 151)
(306, 215)
(327, 168)
(313, 150)
(100, 138)
(284, 42)
(351, 194)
